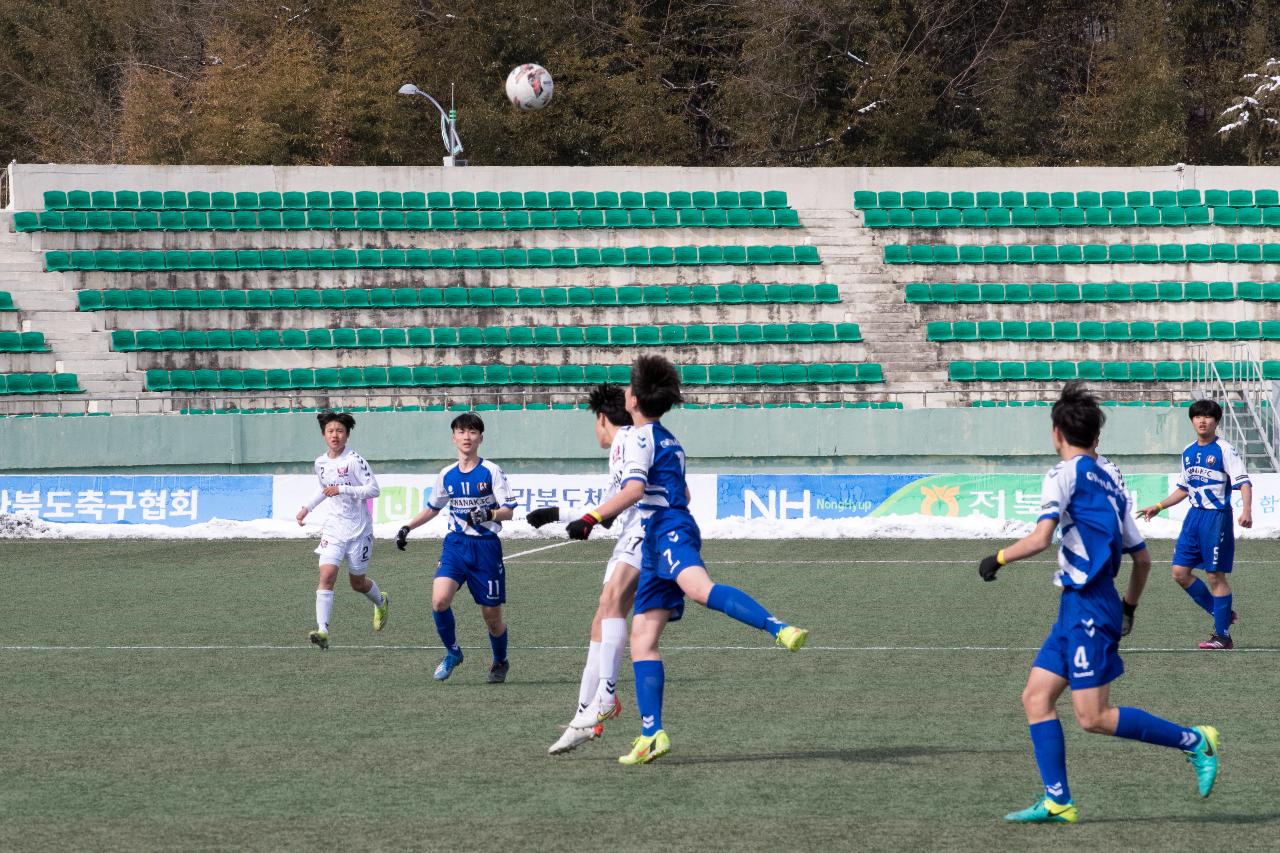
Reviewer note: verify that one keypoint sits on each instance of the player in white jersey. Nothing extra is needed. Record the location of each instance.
(597, 694)
(1211, 470)
(346, 485)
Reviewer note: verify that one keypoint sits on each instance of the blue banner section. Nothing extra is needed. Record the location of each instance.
(790, 496)
(175, 501)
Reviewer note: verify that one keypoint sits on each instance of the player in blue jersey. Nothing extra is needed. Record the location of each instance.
(1085, 496)
(1211, 469)
(476, 493)
(671, 567)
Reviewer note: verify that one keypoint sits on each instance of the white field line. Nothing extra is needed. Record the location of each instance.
(300, 647)
(536, 550)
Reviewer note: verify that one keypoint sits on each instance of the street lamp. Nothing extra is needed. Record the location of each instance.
(448, 126)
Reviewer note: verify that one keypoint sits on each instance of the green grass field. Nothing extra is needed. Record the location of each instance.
(162, 696)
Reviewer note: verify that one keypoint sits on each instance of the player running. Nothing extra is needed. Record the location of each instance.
(653, 477)
(1085, 494)
(476, 492)
(1211, 468)
(597, 694)
(347, 482)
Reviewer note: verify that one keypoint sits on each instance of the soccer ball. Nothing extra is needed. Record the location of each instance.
(529, 86)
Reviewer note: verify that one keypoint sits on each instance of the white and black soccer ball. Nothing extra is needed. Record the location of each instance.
(530, 86)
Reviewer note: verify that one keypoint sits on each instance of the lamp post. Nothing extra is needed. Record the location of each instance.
(448, 126)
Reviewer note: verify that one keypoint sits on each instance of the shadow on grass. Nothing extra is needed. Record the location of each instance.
(866, 755)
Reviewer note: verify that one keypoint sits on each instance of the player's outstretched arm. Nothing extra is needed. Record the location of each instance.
(628, 496)
(402, 535)
(1137, 583)
(542, 516)
(1028, 546)
(1149, 512)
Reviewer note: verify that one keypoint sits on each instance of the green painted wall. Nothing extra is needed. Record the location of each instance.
(717, 441)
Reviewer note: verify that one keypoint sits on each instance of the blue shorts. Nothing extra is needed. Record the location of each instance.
(477, 561)
(672, 543)
(1207, 541)
(1083, 645)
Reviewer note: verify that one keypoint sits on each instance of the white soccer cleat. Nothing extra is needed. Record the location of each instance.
(572, 738)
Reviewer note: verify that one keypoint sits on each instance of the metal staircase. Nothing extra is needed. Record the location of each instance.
(1249, 404)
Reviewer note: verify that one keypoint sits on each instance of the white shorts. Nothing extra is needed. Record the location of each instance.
(626, 551)
(355, 552)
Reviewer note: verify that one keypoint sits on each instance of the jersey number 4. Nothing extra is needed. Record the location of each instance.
(1081, 659)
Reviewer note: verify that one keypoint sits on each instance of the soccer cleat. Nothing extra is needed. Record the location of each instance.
(1204, 758)
(581, 729)
(1218, 642)
(614, 710)
(792, 638)
(498, 672)
(320, 638)
(646, 749)
(1046, 811)
(380, 612)
(447, 665)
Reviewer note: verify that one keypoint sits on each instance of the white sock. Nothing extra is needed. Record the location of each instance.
(613, 641)
(590, 676)
(324, 606)
(374, 594)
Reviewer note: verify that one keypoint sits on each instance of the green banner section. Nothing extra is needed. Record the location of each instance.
(1003, 496)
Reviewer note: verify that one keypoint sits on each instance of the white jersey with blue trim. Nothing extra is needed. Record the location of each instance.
(628, 521)
(347, 515)
(652, 455)
(462, 491)
(1209, 473)
(1088, 498)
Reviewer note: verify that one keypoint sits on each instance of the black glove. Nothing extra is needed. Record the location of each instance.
(546, 515)
(988, 568)
(402, 537)
(581, 528)
(480, 515)
(1126, 624)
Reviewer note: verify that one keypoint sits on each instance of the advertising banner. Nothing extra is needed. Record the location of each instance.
(175, 501)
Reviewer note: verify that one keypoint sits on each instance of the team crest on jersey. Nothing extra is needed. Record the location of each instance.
(1209, 461)
(484, 486)
(342, 472)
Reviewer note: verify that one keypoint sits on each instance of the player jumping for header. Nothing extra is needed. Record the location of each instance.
(1211, 468)
(671, 568)
(1085, 495)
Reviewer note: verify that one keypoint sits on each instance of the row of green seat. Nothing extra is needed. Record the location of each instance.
(393, 200)
(1114, 291)
(39, 383)
(520, 407)
(337, 298)
(23, 342)
(295, 259)
(1088, 253)
(127, 340)
(1106, 371)
(400, 220)
(1054, 217)
(1018, 404)
(1115, 330)
(937, 200)
(6, 301)
(501, 375)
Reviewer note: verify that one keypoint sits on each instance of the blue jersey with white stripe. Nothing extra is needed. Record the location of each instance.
(1209, 473)
(1088, 499)
(652, 455)
(462, 491)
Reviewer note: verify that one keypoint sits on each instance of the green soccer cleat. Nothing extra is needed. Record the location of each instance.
(792, 638)
(320, 638)
(380, 612)
(1204, 758)
(1046, 811)
(646, 749)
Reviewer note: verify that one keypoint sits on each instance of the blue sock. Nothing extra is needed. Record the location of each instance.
(1222, 615)
(1200, 595)
(649, 679)
(446, 628)
(1137, 724)
(1051, 758)
(499, 645)
(735, 603)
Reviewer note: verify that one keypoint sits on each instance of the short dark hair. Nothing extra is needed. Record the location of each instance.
(608, 400)
(1205, 407)
(468, 420)
(655, 383)
(328, 416)
(1078, 416)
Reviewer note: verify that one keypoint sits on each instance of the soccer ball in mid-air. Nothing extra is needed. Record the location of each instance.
(529, 86)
